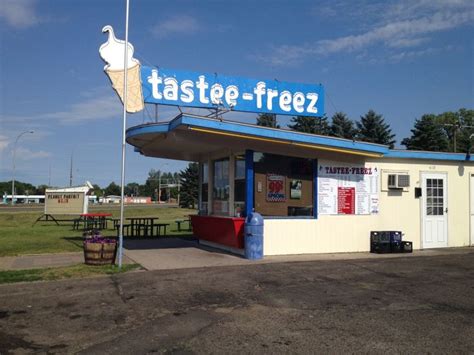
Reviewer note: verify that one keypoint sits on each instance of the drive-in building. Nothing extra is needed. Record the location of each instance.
(317, 194)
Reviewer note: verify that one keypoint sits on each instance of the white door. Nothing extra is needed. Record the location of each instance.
(435, 210)
(472, 210)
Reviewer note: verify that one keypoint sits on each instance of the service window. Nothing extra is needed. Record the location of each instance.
(283, 185)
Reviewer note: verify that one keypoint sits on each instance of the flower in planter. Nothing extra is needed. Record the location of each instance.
(96, 237)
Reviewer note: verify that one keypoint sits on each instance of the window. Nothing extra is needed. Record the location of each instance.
(283, 185)
(434, 197)
(220, 193)
(204, 188)
(239, 186)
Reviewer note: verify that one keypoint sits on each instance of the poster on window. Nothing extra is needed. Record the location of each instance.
(347, 189)
(295, 189)
(275, 188)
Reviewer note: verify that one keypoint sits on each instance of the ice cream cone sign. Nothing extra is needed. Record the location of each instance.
(112, 53)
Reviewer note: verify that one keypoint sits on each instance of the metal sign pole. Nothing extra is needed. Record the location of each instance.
(124, 128)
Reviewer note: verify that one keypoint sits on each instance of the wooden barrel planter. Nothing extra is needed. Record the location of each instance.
(99, 253)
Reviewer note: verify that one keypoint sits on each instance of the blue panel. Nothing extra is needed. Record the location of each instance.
(249, 184)
(315, 188)
(192, 89)
(258, 131)
(410, 154)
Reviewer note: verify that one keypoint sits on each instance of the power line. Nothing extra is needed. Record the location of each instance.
(331, 102)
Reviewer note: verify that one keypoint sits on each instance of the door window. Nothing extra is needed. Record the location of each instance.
(434, 197)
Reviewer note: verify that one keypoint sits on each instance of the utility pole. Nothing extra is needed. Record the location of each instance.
(456, 127)
(159, 186)
(49, 177)
(70, 169)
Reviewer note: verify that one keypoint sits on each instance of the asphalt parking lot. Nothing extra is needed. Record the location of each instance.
(387, 305)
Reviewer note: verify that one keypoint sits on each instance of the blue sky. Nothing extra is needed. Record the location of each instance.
(400, 58)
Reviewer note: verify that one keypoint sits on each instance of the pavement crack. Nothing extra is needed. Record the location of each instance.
(118, 288)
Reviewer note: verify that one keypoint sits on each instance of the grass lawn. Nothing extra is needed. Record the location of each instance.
(19, 236)
(75, 271)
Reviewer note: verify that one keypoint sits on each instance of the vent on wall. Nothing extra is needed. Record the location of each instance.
(398, 181)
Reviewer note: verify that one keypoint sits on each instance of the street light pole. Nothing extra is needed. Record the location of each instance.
(159, 187)
(14, 156)
(159, 182)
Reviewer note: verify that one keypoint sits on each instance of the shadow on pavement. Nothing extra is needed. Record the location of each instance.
(160, 243)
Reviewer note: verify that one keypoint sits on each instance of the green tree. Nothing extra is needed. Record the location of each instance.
(151, 184)
(20, 188)
(464, 143)
(342, 126)
(314, 125)
(428, 135)
(372, 128)
(189, 186)
(112, 189)
(458, 126)
(267, 120)
(40, 190)
(132, 189)
(97, 190)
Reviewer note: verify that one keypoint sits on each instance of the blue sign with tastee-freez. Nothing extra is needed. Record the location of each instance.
(191, 89)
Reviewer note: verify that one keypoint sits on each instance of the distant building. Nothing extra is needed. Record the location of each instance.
(23, 199)
(128, 200)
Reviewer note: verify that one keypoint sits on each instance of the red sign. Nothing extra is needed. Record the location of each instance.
(346, 200)
(275, 188)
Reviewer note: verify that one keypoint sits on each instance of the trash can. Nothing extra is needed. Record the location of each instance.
(253, 236)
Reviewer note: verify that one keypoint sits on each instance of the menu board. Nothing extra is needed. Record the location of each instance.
(347, 189)
(346, 200)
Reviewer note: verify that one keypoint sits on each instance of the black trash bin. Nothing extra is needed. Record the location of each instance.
(380, 242)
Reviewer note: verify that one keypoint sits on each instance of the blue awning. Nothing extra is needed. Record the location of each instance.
(189, 137)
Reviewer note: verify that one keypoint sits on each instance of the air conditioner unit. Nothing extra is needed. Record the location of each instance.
(398, 181)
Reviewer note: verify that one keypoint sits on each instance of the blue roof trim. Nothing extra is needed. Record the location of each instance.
(149, 128)
(233, 127)
(283, 135)
(411, 154)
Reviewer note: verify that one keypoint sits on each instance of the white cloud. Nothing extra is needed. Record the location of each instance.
(407, 42)
(4, 141)
(19, 13)
(96, 108)
(408, 24)
(104, 106)
(26, 154)
(412, 9)
(401, 31)
(407, 55)
(176, 25)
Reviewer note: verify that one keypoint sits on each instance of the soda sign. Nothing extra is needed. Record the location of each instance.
(275, 188)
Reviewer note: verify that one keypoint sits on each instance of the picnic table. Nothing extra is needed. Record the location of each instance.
(180, 222)
(96, 220)
(144, 227)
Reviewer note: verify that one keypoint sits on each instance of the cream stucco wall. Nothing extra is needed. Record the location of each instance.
(397, 211)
